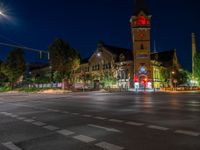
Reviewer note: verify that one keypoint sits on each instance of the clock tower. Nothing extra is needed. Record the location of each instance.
(141, 28)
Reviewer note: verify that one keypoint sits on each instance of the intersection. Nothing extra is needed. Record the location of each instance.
(98, 120)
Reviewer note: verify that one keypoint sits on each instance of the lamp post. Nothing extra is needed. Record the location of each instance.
(171, 78)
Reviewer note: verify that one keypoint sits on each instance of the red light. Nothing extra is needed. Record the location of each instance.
(143, 21)
(136, 79)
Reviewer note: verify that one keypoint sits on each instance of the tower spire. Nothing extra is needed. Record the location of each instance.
(140, 5)
(155, 48)
(194, 50)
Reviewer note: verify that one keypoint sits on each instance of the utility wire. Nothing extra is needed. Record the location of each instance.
(22, 47)
(17, 45)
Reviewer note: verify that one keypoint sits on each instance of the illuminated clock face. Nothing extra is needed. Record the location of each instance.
(142, 70)
(141, 35)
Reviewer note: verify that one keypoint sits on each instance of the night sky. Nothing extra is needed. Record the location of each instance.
(82, 23)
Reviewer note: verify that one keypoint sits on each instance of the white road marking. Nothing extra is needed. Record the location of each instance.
(88, 116)
(54, 110)
(66, 112)
(134, 123)
(65, 132)
(75, 113)
(158, 127)
(52, 128)
(14, 116)
(21, 118)
(85, 139)
(11, 146)
(29, 120)
(191, 133)
(5, 113)
(39, 123)
(100, 118)
(108, 146)
(105, 128)
(116, 120)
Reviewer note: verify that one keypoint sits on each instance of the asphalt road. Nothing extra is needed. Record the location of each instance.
(100, 121)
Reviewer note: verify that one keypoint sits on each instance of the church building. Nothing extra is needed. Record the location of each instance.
(135, 68)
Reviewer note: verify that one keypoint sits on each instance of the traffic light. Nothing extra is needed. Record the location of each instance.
(136, 79)
(48, 56)
(40, 55)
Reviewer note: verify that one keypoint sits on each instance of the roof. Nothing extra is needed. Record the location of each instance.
(166, 57)
(140, 5)
(85, 60)
(118, 51)
(36, 66)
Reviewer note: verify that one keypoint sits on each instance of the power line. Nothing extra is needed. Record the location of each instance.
(23, 47)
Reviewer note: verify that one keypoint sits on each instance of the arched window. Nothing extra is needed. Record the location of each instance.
(142, 46)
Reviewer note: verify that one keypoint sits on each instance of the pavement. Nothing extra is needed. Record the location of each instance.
(100, 121)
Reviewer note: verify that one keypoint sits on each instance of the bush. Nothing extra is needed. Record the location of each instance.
(5, 89)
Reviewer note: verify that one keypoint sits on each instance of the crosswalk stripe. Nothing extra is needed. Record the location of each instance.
(191, 133)
(65, 132)
(108, 146)
(85, 139)
(11, 146)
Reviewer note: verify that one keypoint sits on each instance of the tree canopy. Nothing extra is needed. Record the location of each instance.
(197, 66)
(63, 58)
(14, 65)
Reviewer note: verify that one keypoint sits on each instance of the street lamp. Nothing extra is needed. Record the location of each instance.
(171, 77)
(2, 13)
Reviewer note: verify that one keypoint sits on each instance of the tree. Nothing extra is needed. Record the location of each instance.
(182, 76)
(14, 66)
(63, 58)
(3, 78)
(164, 75)
(197, 66)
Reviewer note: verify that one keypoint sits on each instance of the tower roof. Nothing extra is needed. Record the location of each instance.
(140, 5)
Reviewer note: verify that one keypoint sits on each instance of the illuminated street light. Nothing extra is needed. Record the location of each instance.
(1, 13)
(98, 54)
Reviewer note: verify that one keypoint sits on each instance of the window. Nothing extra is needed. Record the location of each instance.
(142, 46)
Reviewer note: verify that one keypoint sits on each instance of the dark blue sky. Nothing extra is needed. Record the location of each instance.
(82, 23)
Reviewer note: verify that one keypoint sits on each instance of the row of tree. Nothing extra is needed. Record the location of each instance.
(63, 59)
(197, 67)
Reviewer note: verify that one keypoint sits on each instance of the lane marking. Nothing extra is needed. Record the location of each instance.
(29, 120)
(185, 132)
(100, 118)
(158, 128)
(11, 146)
(108, 146)
(21, 118)
(51, 128)
(65, 132)
(13, 116)
(88, 116)
(104, 128)
(37, 123)
(66, 112)
(75, 113)
(83, 138)
(54, 110)
(116, 120)
(6, 114)
(134, 123)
